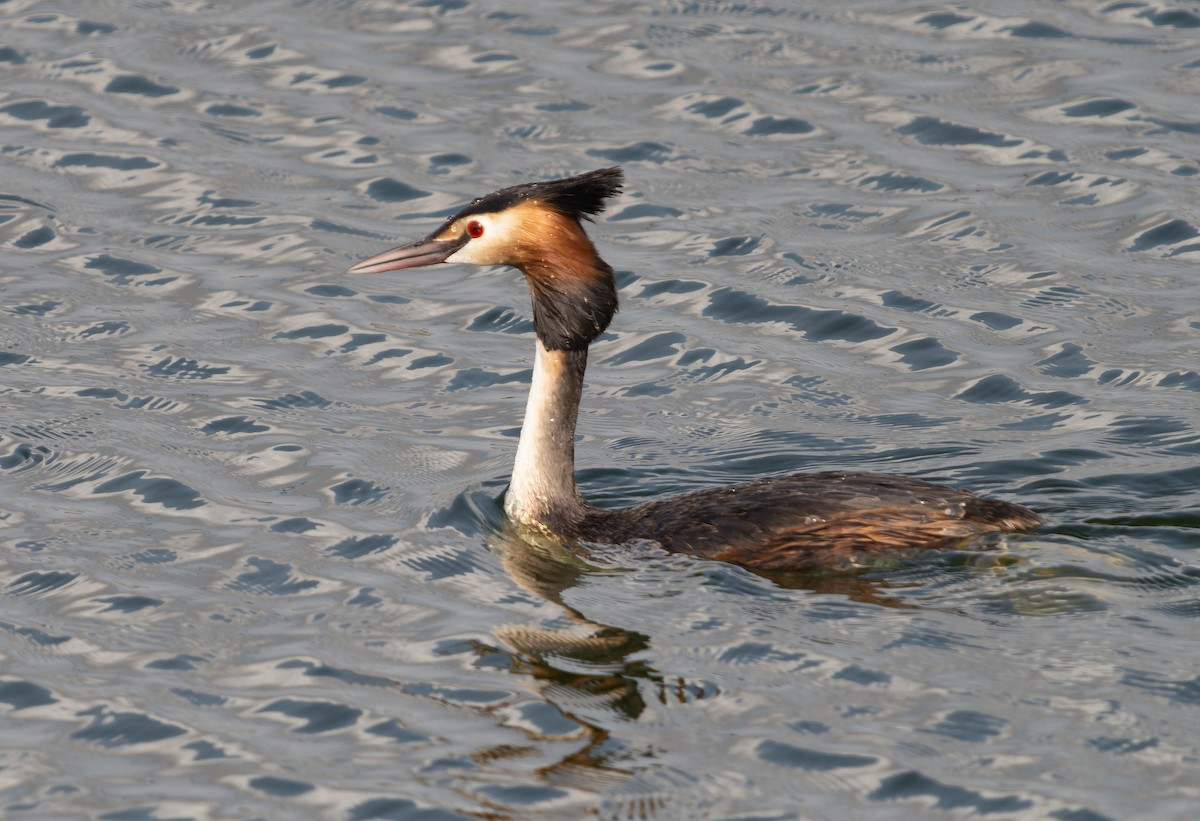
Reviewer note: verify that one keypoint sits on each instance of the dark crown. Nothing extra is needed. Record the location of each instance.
(578, 196)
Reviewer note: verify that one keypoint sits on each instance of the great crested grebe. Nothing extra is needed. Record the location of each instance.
(802, 521)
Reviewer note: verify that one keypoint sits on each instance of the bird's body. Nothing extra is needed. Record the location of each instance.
(808, 520)
(801, 521)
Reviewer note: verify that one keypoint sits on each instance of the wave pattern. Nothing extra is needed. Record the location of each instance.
(253, 557)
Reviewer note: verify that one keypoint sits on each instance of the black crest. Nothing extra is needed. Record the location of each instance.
(578, 196)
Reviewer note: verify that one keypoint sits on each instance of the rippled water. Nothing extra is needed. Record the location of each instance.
(253, 560)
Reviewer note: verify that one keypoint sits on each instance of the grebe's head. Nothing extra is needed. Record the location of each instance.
(535, 227)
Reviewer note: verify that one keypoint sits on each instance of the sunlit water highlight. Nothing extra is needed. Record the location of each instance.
(253, 560)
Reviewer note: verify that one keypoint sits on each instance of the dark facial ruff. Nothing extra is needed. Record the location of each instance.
(569, 312)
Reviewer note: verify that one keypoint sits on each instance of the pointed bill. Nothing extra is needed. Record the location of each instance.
(414, 255)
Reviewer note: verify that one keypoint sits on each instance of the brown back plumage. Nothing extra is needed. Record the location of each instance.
(810, 520)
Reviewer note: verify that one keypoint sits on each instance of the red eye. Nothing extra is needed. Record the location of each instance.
(475, 229)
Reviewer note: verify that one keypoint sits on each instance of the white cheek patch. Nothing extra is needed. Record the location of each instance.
(463, 255)
(488, 248)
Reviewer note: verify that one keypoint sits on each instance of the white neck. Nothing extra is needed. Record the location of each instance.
(542, 492)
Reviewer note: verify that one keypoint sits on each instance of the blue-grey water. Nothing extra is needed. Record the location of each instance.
(252, 562)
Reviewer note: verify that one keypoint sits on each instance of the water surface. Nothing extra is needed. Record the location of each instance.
(254, 564)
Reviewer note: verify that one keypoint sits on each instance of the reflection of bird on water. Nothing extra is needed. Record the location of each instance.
(597, 676)
(785, 523)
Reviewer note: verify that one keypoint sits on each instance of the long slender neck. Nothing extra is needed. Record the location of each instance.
(542, 492)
